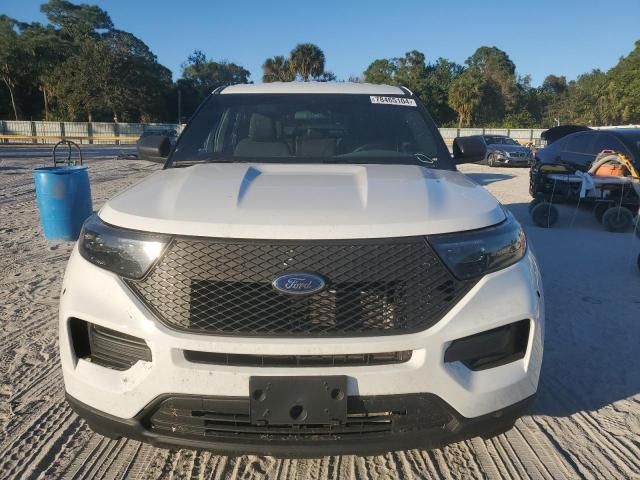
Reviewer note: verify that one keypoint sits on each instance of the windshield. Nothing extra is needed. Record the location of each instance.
(632, 141)
(491, 140)
(311, 128)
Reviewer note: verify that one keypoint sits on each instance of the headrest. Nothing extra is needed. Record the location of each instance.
(315, 133)
(261, 128)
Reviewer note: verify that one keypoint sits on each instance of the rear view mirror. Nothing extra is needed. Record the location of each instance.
(154, 148)
(469, 149)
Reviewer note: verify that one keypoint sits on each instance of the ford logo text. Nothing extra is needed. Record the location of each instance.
(299, 283)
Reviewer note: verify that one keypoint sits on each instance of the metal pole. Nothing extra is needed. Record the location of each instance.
(179, 106)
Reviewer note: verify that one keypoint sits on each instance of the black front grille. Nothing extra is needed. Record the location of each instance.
(218, 418)
(223, 287)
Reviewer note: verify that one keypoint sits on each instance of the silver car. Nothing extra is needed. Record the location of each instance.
(505, 151)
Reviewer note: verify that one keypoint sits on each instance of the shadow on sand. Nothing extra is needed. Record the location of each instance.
(12, 169)
(488, 178)
(592, 299)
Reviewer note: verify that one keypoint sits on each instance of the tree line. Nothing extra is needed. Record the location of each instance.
(80, 67)
(488, 92)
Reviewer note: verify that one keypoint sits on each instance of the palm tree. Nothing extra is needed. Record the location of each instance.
(465, 95)
(277, 69)
(307, 60)
(9, 58)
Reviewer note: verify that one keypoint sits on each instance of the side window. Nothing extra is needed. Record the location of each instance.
(608, 142)
(548, 153)
(580, 143)
(560, 144)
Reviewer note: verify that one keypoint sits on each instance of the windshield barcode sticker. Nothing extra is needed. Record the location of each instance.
(407, 102)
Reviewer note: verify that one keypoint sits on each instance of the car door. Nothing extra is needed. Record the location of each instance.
(579, 150)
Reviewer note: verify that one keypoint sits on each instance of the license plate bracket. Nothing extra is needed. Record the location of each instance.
(319, 400)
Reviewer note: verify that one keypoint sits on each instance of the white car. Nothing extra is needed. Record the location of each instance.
(307, 275)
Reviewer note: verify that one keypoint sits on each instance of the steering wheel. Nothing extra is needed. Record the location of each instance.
(369, 146)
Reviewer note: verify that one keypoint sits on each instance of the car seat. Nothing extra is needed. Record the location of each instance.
(262, 139)
(315, 144)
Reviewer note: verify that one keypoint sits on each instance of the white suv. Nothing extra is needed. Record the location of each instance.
(308, 275)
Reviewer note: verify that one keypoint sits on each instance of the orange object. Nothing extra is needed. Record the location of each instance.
(612, 170)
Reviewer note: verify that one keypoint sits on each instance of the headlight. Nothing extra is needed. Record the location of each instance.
(126, 252)
(478, 252)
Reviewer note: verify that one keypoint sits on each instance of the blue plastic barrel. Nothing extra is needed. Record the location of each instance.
(64, 200)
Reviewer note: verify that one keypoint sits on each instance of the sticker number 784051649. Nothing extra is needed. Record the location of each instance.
(406, 102)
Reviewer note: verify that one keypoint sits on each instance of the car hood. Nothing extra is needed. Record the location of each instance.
(301, 201)
(508, 148)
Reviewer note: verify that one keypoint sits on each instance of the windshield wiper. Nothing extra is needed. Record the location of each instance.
(419, 158)
(188, 163)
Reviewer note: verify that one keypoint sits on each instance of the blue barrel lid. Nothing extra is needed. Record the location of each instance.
(60, 170)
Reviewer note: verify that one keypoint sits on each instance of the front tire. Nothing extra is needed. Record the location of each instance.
(545, 215)
(491, 160)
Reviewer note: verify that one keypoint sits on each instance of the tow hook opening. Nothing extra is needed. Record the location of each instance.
(491, 348)
(298, 413)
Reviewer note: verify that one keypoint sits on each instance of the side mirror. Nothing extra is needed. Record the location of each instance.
(154, 148)
(469, 149)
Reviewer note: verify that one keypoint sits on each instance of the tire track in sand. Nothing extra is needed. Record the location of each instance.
(36, 438)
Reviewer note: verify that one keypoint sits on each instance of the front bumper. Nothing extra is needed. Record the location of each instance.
(412, 433)
(100, 297)
(514, 161)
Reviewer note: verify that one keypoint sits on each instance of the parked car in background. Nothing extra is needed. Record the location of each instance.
(589, 167)
(578, 150)
(503, 151)
(170, 133)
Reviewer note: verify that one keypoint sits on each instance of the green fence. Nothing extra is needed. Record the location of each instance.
(80, 132)
(128, 133)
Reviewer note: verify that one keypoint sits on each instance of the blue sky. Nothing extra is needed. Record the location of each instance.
(564, 37)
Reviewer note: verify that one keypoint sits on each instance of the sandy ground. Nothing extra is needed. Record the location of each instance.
(585, 423)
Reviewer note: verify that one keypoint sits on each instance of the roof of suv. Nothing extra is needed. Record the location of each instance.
(622, 132)
(315, 87)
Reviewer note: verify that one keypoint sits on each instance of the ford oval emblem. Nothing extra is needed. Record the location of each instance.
(299, 283)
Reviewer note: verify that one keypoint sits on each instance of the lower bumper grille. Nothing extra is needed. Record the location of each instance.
(351, 360)
(220, 418)
(106, 347)
(373, 287)
(419, 420)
